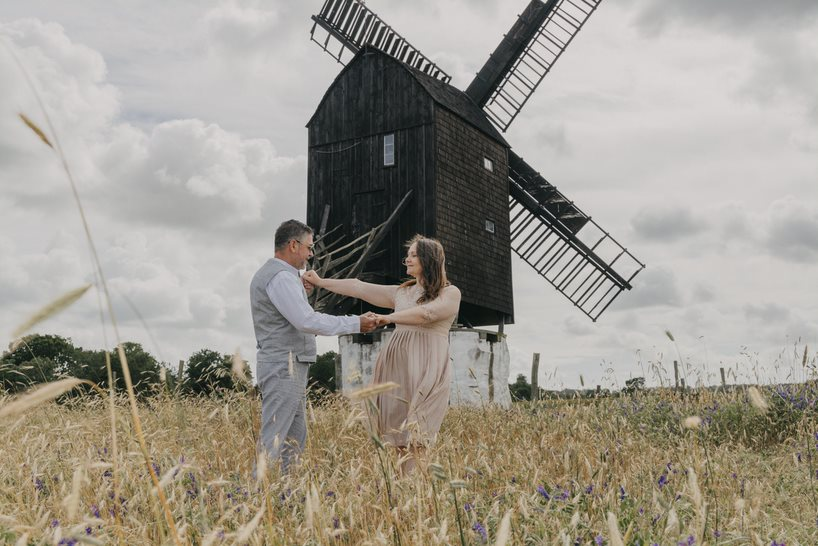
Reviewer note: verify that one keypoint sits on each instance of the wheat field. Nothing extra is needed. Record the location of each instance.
(655, 468)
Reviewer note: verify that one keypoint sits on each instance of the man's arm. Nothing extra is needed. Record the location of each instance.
(286, 294)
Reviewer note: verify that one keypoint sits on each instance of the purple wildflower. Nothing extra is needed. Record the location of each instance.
(598, 540)
(467, 507)
(330, 494)
(622, 493)
(478, 527)
(55, 522)
(589, 489)
(541, 490)
(662, 481)
(95, 510)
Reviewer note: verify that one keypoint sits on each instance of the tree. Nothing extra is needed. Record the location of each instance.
(208, 372)
(38, 359)
(321, 375)
(143, 366)
(520, 389)
(634, 385)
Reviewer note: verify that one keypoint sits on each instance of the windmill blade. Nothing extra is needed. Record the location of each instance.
(563, 244)
(347, 25)
(526, 54)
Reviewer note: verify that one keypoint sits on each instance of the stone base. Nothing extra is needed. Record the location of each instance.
(479, 360)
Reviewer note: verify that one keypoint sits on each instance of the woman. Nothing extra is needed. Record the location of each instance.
(417, 355)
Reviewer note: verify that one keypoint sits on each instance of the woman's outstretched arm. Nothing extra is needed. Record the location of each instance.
(446, 305)
(378, 295)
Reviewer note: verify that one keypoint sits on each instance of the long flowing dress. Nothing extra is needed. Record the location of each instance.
(417, 359)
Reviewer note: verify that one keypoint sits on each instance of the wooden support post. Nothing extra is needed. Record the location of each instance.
(339, 374)
(723, 380)
(535, 371)
(683, 383)
(676, 373)
(180, 371)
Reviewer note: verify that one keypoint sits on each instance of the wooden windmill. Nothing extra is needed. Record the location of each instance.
(395, 150)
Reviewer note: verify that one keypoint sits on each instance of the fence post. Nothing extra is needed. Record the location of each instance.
(723, 380)
(535, 368)
(676, 373)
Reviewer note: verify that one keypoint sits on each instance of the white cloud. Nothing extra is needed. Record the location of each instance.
(239, 27)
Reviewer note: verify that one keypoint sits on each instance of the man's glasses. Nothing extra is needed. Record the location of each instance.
(309, 247)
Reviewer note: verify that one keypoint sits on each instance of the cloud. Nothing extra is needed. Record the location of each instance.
(793, 230)
(240, 27)
(733, 15)
(767, 313)
(669, 224)
(652, 287)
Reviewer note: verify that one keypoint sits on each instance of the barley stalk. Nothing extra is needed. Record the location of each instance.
(50, 310)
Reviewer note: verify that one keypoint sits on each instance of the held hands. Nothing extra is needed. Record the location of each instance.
(370, 321)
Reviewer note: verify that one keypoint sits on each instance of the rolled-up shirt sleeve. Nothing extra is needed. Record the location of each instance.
(287, 294)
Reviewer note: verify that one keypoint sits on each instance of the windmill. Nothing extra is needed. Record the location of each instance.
(394, 150)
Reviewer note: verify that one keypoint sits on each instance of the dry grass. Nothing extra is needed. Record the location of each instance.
(560, 473)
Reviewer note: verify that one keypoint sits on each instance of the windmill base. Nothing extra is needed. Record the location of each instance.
(479, 359)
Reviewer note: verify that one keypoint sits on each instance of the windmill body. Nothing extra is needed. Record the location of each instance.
(384, 128)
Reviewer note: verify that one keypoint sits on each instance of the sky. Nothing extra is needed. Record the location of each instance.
(688, 130)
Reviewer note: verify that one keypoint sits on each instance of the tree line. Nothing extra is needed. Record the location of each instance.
(45, 358)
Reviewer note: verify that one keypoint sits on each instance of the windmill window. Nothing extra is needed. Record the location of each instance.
(488, 164)
(389, 150)
(489, 226)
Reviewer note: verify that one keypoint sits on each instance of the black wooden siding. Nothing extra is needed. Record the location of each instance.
(467, 195)
(437, 155)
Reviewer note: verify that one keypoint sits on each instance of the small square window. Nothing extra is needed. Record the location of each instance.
(489, 226)
(389, 150)
(488, 164)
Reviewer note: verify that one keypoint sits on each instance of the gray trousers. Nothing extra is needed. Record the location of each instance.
(283, 410)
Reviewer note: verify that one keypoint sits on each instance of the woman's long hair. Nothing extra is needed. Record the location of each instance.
(433, 267)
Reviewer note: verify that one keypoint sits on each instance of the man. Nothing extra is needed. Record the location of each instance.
(285, 327)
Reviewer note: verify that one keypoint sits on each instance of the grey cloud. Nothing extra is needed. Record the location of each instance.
(652, 287)
(240, 28)
(579, 326)
(767, 312)
(666, 224)
(703, 294)
(782, 33)
(554, 138)
(793, 231)
(734, 15)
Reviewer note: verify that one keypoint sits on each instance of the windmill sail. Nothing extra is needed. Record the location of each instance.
(348, 25)
(563, 244)
(526, 54)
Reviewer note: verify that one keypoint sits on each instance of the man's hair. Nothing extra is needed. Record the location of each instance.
(289, 230)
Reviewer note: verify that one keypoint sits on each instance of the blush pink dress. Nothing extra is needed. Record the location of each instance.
(417, 359)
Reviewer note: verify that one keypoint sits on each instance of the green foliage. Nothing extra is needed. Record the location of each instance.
(45, 358)
(208, 372)
(321, 378)
(634, 385)
(520, 389)
(38, 359)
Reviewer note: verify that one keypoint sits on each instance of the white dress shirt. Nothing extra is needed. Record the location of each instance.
(287, 294)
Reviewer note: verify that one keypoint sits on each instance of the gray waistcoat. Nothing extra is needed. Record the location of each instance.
(275, 336)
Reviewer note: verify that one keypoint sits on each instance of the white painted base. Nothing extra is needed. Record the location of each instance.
(479, 359)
